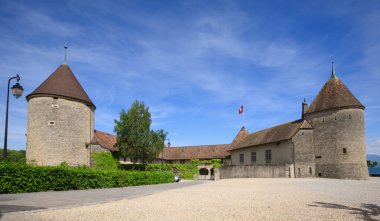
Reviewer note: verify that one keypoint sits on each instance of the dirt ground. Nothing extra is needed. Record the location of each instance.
(236, 199)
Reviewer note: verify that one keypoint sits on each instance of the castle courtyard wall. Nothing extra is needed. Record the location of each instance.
(281, 153)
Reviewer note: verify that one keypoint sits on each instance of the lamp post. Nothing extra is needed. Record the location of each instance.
(17, 92)
(162, 155)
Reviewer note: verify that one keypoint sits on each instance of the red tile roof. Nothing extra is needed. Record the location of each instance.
(334, 94)
(274, 134)
(196, 152)
(105, 140)
(62, 83)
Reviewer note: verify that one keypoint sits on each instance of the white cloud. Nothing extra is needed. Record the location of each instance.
(374, 147)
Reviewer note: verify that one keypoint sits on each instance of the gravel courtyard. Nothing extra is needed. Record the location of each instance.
(236, 199)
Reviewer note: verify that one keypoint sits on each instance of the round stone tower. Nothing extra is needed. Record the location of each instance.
(60, 121)
(339, 135)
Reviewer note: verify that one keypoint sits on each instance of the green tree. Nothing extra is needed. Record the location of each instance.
(371, 163)
(158, 142)
(134, 137)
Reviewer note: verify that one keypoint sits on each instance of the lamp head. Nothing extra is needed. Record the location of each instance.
(17, 90)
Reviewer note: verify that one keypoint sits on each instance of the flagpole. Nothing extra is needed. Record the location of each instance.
(243, 118)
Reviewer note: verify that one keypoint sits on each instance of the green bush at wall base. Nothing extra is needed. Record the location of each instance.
(104, 161)
(186, 171)
(19, 178)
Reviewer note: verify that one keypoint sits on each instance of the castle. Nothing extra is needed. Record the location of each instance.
(328, 140)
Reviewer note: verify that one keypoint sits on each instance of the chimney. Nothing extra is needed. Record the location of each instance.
(304, 108)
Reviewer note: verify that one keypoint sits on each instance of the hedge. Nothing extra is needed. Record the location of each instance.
(19, 178)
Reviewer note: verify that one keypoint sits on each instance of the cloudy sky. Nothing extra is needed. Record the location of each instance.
(194, 62)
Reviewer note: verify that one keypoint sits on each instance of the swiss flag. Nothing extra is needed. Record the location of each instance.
(241, 109)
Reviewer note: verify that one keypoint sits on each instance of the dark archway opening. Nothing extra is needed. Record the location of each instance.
(203, 171)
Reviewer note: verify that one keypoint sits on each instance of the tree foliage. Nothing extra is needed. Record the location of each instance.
(371, 163)
(14, 156)
(135, 138)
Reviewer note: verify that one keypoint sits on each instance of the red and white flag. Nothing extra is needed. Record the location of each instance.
(241, 109)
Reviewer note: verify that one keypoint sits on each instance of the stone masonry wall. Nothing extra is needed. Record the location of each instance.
(281, 153)
(253, 171)
(339, 143)
(304, 158)
(58, 131)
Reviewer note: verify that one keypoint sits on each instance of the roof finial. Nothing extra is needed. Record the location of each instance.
(333, 76)
(65, 47)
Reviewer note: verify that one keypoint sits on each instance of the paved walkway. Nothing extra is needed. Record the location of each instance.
(47, 200)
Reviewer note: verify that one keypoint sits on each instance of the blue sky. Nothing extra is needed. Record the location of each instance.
(194, 62)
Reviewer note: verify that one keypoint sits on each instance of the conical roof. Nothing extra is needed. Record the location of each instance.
(62, 83)
(334, 94)
(243, 133)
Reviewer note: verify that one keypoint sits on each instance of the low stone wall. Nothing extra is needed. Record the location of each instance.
(253, 171)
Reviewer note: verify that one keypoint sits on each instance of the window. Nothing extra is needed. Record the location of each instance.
(268, 156)
(253, 157)
(241, 158)
(182, 161)
(344, 150)
(51, 122)
(310, 171)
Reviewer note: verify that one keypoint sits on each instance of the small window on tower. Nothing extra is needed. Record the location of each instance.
(51, 122)
(335, 117)
(349, 116)
(344, 150)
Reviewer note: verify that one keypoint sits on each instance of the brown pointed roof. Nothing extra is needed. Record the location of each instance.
(274, 134)
(62, 83)
(334, 94)
(243, 133)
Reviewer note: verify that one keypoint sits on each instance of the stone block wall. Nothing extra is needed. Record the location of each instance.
(304, 159)
(253, 171)
(58, 131)
(339, 143)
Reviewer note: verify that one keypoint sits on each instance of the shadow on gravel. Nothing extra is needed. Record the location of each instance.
(370, 212)
(16, 208)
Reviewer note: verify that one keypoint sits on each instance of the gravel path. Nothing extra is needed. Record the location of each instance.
(236, 199)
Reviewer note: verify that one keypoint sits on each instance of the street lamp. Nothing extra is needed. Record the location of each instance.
(17, 92)
(162, 155)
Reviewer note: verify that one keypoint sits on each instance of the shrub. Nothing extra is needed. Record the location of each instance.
(185, 170)
(14, 156)
(104, 161)
(19, 178)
